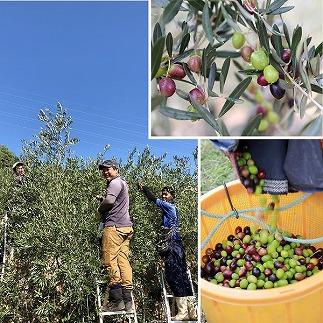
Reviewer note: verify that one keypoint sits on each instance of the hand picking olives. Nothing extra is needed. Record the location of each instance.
(257, 260)
(251, 176)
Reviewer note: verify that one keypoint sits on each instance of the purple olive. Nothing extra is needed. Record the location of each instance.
(286, 55)
(261, 80)
(277, 91)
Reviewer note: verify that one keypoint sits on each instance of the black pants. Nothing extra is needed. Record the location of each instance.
(176, 270)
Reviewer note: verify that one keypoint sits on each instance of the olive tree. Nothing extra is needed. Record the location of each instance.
(53, 230)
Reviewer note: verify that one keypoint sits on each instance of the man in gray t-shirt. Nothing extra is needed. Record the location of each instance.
(117, 232)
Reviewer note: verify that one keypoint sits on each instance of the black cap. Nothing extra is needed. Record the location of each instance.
(109, 163)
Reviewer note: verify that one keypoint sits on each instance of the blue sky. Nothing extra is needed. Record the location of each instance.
(89, 56)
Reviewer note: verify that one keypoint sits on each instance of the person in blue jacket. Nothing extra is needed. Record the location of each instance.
(173, 253)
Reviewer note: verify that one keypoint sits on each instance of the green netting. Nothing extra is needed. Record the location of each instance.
(243, 214)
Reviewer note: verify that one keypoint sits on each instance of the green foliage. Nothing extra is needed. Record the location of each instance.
(53, 231)
(215, 167)
(7, 158)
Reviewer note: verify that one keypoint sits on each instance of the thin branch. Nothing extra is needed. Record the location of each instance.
(303, 92)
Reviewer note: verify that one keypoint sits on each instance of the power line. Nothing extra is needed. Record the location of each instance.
(52, 98)
(136, 133)
(79, 111)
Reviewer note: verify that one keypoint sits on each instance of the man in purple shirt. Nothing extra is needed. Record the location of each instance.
(117, 232)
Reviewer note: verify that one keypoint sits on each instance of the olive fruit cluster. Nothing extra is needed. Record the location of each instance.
(257, 260)
(167, 86)
(269, 74)
(260, 61)
(251, 177)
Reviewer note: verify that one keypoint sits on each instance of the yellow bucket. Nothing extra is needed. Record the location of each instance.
(297, 303)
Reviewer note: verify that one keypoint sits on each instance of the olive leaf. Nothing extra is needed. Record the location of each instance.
(286, 33)
(274, 63)
(206, 115)
(276, 57)
(318, 50)
(156, 101)
(189, 73)
(244, 12)
(205, 64)
(311, 53)
(157, 33)
(224, 129)
(252, 125)
(171, 11)
(297, 36)
(197, 4)
(184, 43)
(250, 72)
(316, 88)
(277, 42)
(180, 57)
(302, 106)
(235, 94)
(229, 19)
(262, 33)
(314, 127)
(207, 24)
(182, 94)
(268, 2)
(156, 56)
(211, 78)
(275, 5)
(179, 114)
(226, 53)
(280, 10)
(169, 44)
(224, 73)
(212, 94)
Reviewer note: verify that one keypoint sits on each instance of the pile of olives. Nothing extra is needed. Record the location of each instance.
(259, 260)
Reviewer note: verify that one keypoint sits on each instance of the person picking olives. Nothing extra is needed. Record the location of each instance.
(173, 253)
(114, 210)
(18, 169)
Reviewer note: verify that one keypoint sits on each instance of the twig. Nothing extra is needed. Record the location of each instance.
(303, 92)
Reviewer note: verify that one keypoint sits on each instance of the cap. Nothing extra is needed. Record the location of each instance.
(15, 165)
(108, 163)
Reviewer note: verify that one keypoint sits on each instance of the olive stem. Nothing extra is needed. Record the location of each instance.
(301, 90)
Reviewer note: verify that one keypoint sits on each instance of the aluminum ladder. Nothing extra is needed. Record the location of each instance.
(131, 316)
(4, 246)
(169, 298)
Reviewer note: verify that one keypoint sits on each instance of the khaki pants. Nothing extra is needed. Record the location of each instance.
(115, 249)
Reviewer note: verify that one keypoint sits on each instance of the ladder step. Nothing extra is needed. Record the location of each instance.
(132, 313)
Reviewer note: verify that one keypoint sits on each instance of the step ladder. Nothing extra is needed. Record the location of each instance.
(4, 246)
(169, 299)
(131, 316)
